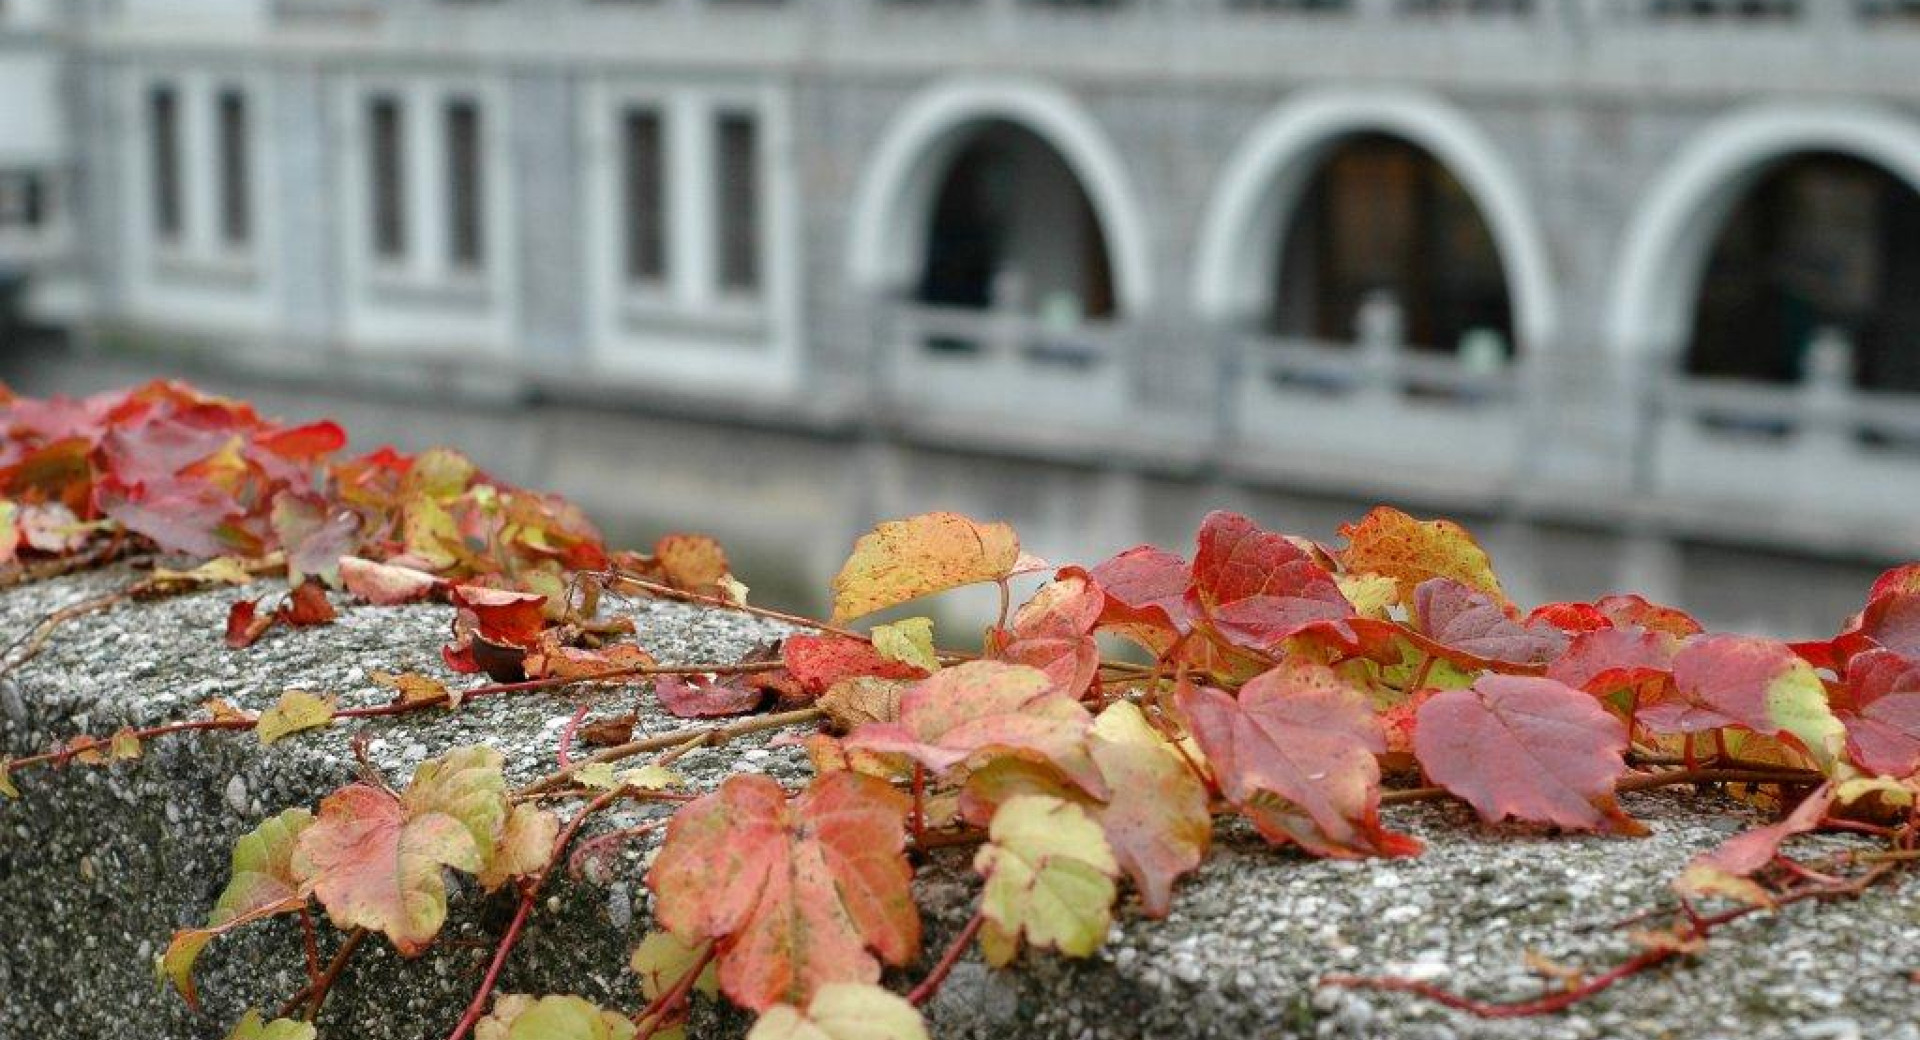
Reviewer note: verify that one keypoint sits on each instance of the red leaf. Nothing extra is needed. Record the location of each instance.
(705, 697)
(245, 624)
(304, 443)
(1880, 705)
(1054, 633)
(383, 584)
(1613, 658)
(307, 605)
(1745, 853)
(504, 617)
(1258, 588)
(1632, 611)
(1528, 748)
(1296, 754)
(182, 516)
(1146, 596)
(1473, 629)
(794, 894)
(1570, 617)
(819, 661)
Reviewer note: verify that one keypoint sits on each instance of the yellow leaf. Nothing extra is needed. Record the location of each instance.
(662, 960)
(6, 779)
(525, 845)
(125, 745)
(902, 560)
(415, 688)
(1050, 877)
(843, 1011)
(226, 570)
(518, 1017)
(1391, 543)
(252, 1028)
(909, 641)
(295, 711)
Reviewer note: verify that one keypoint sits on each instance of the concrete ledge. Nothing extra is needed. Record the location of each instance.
(99, 865)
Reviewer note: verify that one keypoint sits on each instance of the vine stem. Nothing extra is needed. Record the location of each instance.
(669, 592)
(938, 976)
(529, 893)
(709, 734)
(1643, 782)
(316, 993)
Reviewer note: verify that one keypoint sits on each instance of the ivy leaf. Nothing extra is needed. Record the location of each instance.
(375, 860)
(902, 560)
(908, 641)
(1053, 632)
(795, 894)
(245, 624)
(1296, 755)
(843, 1011)
(1879, 703)
(1049, 878)
(414, 688)
(296, 710)
(1528, 748)
(1724, 870)
(251, 1027)
(1411, 552)
(1258, 588)
(856, 701)
(1607, 659)
(519, 1017)
(975, 710)
(661, 960)
(705, 696)
(385, 584)
(505, 618)
(314, 534)
(1760, 684)
(525, 845)
(820, 662)
(1473, 629)
(6, 779)
(692, 562)
(262, 884)
(1145, 591)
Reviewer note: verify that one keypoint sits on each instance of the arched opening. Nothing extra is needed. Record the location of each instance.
(1382, 222)
(1010, 227)
(1820, 243)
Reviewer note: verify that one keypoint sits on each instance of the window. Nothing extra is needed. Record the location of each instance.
(163, 123)
(389, 194)
(739, 202)
(236, 211)
(644, 194)
(465, 221)
(23, 200)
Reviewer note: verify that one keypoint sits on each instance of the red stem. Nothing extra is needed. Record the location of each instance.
(938, 976)
(564, 755)
(655, 1014)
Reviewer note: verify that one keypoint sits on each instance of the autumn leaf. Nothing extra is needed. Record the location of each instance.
(262, 884)
(822, 661)
(908, 641)
(314, 534)
(1053, 632)
(1760, 684)
(252, 1027)
(975, 710)
(1879, 703)
(1528, 748)
(374, 860)
(794, 893)
(519, 1017)
(245, 624)
(504, 617)
(306, 605)
(1145, 597)
(1295, 753)
(524, 846)
(1474, 630)
(1388, 541)
(902, 560)
(843, 1011)
(1258, 588)
(856, 701)
(1724, 870)
(296, 710)
(414, 688)
(385, 585)
(706, 696)
(692, 562)
(6, 779)
(1607, 659)
(1049, 879)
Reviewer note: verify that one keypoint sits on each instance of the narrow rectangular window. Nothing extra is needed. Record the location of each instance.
(465, 221)
(236, 208)
(739, 210)
(643, 169)
(163, 126)
(22, 200)
(385, 176)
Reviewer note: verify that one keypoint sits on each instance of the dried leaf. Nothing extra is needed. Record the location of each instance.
(296, 710)
(384, 584)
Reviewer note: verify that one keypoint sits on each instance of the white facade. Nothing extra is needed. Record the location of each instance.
(693, 205)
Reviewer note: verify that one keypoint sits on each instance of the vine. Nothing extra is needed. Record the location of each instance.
(1294, 685)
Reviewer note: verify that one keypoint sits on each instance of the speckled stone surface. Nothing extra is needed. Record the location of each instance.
(99, 865)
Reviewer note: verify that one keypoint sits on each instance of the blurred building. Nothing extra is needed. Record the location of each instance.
(1643, 263)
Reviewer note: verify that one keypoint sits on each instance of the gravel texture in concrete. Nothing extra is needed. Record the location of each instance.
(99, 865)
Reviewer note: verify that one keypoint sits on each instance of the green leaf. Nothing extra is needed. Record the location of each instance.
(1050, 877)
(296, 710)
(6, 779)
(519, 1017)
(843, 1011)
(263, 883)
(252, 1028)
(908, 641)
(662, 959)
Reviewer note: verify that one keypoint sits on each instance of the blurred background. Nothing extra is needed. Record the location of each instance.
(1631, 287)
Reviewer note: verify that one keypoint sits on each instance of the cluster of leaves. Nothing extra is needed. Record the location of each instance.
(1291, 684)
